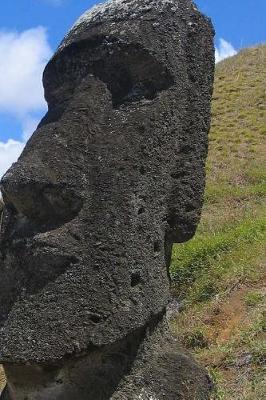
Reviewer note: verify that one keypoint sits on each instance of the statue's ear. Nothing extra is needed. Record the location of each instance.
(186, 192)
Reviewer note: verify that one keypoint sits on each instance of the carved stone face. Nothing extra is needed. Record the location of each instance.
(113, 176)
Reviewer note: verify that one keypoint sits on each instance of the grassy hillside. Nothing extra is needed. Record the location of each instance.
(220, 275)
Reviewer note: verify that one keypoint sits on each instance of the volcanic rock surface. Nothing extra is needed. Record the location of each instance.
(112, 177)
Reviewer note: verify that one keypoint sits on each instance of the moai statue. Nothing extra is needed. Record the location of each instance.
(112, 177)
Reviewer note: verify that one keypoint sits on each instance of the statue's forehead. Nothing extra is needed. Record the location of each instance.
(124, 9)
(115, 11)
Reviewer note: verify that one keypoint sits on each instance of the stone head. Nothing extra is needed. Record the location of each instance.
(112, 177)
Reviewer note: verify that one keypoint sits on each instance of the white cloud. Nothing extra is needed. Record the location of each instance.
(9, 153)
(22, 60)
(23, 57)
(224, 50)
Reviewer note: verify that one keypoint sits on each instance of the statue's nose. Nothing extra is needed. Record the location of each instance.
(33, 194)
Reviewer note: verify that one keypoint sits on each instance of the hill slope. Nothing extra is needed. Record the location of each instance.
(220, 275)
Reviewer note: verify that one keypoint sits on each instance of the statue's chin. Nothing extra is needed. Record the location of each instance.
(96, 373)
(134, 368)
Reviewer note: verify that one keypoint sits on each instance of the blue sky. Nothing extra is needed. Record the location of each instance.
(30, 30)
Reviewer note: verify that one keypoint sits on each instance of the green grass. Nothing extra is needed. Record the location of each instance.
(252, 299)
(193, 260)
(217, 192)
(219, 276)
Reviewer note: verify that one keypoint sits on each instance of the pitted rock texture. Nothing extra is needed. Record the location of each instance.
(112, 177)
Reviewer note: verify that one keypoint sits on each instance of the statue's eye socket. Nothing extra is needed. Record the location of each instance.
(131, 75)
(130, 72)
